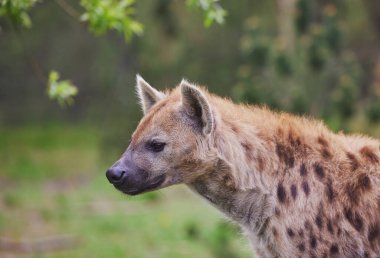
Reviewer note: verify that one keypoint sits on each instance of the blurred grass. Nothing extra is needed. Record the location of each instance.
(52, 184)
(51, 151)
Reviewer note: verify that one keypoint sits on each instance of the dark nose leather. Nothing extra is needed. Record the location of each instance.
(115, 175)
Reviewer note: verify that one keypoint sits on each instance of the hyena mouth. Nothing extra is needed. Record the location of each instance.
(149, 186)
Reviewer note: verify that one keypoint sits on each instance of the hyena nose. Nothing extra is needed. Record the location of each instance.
(115, 175)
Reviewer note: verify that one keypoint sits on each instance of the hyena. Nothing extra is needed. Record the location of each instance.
(295, 188)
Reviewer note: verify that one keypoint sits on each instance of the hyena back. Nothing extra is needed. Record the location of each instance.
(295, 188)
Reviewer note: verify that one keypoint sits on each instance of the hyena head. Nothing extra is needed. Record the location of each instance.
(172, 143)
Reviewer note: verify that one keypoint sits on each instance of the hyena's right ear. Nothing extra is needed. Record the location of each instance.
(196, 105)
(147, 94)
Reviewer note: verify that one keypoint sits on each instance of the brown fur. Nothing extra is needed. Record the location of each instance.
(296, 188)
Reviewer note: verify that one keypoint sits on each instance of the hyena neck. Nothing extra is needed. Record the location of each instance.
(247, 149)
(250, 208)
(239, 185)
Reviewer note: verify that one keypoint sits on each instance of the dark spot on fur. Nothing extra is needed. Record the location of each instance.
(300, 233)
(301, 247)
(294, 140)
(281, 193)
(228, 181)
(303, 170)
(274, 231)
(319, 171)
(247, 146)
(330, 227)
(353, 160)
(277, 212)
(319, 221)
(305, 188)
(339, 232)
(293, 191)
(280, 150)
(334, 249)
(290, 161)
(290, 232)
(354, 218)
(329, 190)
(355, 189)
(369, 154)
(247, 149)
(307, 225)
(322, 141)
(364, 182)
(260, 163)
(324, 255)
(373, 233)
(326, 154)
(285, 155)
(234, 128)
(313, 242)
(352, 193)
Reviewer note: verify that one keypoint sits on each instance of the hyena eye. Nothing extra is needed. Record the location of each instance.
(155, 146)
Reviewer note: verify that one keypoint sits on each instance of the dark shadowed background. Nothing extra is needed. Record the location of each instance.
(318, 58)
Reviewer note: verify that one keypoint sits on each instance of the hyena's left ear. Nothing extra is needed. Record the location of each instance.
(197, 106)
(147, 94)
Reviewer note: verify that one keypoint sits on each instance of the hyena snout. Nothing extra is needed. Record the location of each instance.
(130, 179)
(115, 175)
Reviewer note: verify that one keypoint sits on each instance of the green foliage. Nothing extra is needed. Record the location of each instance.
(213, 12)
(62, 91)
(104, 15)
(374, 111)
(303, 16)
(283, 64)
(256, 45)
(318, 53)
(333, 34)
(101, 16)
(315, 73)
(17, 10)
(345, 96)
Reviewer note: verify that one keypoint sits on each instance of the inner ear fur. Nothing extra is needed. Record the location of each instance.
(148, 95)
(197, 106)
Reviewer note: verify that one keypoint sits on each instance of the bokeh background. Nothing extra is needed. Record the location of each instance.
(316, 58)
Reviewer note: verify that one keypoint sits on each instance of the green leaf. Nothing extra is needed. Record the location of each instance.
(25, 20)
(16, 11)
(62, 91)
(213, 12)
(106, 15)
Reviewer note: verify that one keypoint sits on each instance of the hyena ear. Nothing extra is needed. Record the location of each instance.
(147, 94)
(197, 106)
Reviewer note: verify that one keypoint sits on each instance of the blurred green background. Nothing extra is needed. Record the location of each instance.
(318, 58)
